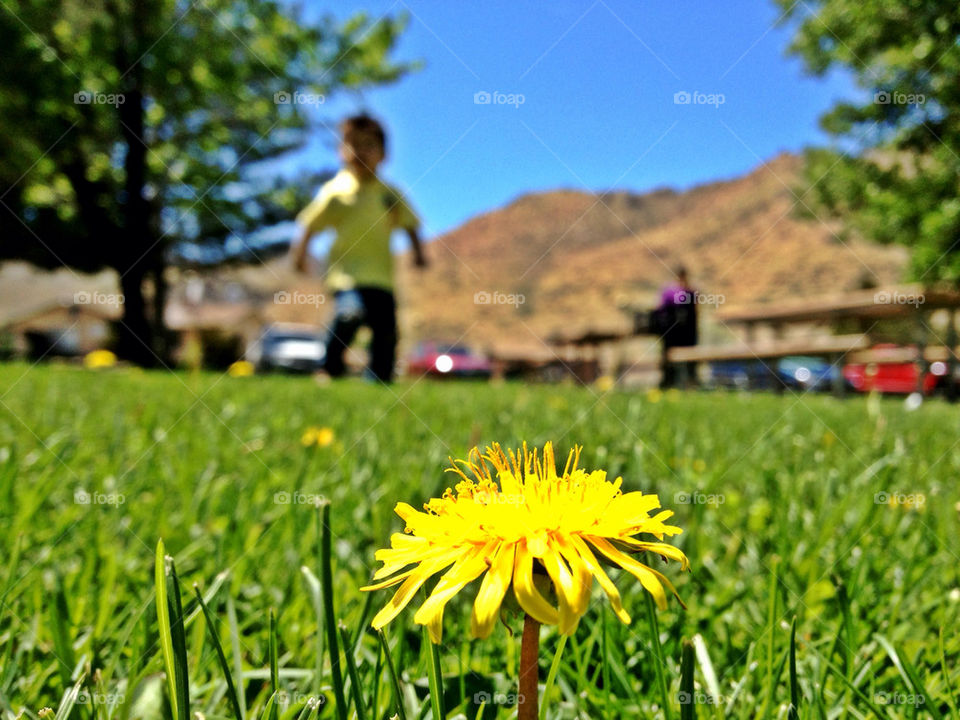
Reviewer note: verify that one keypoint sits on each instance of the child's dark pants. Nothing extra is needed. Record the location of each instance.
(370, 306)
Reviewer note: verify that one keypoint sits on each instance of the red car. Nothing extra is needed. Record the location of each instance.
(895, 376)
(440, 360)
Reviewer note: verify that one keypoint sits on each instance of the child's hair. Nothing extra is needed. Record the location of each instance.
(366, 124)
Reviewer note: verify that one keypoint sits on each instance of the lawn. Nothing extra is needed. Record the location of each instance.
(842, 515)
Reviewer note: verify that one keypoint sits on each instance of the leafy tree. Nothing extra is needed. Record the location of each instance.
(894, 174)
(135, 130)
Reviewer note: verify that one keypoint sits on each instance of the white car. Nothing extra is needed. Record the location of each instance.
(289, 348)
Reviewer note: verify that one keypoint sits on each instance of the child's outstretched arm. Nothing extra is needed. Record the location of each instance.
(300, 250)
(419, 259)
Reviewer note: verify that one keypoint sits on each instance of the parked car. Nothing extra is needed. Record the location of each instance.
(439, 360)
(795, 372)
(738, 375)
(896, 377)
(809, 373)
(289, 348)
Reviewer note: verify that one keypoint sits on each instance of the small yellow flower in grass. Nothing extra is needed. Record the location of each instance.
(241, 368)
(605, 383)
(318, 436)
(516, 517)
(98, 359)
(654, 395)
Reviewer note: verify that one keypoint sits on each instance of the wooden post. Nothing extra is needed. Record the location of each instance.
(839, 386)
(922, 365)
(952, 355)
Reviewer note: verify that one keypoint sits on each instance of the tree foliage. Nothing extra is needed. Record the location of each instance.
(894, 172)
(134, 132)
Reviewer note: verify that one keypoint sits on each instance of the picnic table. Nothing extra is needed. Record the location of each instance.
(868, 307)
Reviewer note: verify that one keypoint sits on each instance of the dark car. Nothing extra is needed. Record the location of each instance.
(441, 360)
(289, 348)
(738, 374)
(795, 372)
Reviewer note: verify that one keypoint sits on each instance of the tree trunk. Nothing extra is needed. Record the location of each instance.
(138, 250)
(136, 339)
(134, 334)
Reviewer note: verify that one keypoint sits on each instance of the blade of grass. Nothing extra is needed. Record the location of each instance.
(946, 679)
(772, 623)
(843, 599)
(272, 644)
(60, 627)
(902, 665)
(793, 712)
(364, 614)
(163, 627)
(310, 707)
(435, 676)
(69, 700)
(270, 709)
(377, 677)
(352, 673)
(316, 595)
(132, 624)
(688, 706)
(179, 640)
(221, 657)
(552, 676)
(13, 563)
(463, 660)
(192, 610)
(660, 665)
(709, 674)
(326, 578)
(604, 640)
(237, 654)
(394, 678)
(856, 691)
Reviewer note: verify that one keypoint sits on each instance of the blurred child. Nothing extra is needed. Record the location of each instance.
(362, 211)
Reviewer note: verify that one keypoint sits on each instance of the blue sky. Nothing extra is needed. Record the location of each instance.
(598, 112)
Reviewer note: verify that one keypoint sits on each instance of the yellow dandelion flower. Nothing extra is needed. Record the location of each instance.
(517, 517)
(319, 436)
(654, 395)
(605, 383)
(699, 466)
(241, 368)
(97, 359)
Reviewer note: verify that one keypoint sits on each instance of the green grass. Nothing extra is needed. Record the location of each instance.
(784, 524)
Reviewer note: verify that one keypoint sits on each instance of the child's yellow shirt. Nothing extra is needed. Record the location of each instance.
(362, 215)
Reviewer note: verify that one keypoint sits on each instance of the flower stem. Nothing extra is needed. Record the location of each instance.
(529, 669)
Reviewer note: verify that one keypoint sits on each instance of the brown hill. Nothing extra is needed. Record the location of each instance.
(576, 258)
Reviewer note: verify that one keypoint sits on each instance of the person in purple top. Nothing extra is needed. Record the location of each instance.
(675, 321)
